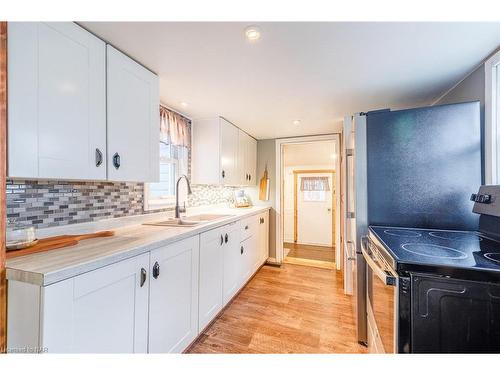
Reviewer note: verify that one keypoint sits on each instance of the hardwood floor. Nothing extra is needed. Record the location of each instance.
(323, 253)
(291, 309)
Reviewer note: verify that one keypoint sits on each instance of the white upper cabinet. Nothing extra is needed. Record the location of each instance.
(229, 153)
(222, 154)
(247, 159)
(133, 117)
(57, 103)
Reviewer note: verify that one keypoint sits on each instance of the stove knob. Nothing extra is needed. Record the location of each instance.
(473, 197)
(486, 198)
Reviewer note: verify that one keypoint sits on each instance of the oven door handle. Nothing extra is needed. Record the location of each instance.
(387, 277)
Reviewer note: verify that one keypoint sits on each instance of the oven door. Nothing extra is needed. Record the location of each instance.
(382, 301)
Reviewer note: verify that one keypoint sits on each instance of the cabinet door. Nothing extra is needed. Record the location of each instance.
(173, 301)
(242, 157)
(247, 259)
(211, 274)
(103, 311)
(57, 102)
(264, 236)
(133, 120)
(233, 266)
(229, 153)
(251, 161)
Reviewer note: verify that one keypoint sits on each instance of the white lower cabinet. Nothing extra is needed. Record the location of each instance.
(211, 275)
(173, 298)
(233, 267)
(102, 311)
(157, 302)
(263, 236)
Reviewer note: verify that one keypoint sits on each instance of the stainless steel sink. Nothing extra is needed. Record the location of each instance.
(189, 221)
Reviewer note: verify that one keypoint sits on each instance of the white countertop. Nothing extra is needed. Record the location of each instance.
(131, 238)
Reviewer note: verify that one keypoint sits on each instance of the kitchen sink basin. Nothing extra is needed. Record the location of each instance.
(189, 221)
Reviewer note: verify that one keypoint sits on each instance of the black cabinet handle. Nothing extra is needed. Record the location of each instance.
(246, 227)
(98, 157)
(249, 177)
(116, 160)
(156, 270)
(241, 250)
(223, 174)
(143, 276)
(221, 239)
(246, 176)
(226, 238)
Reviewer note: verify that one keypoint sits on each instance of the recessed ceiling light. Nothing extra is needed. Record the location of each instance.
(296, 122)
(183, 104)
(252, 33)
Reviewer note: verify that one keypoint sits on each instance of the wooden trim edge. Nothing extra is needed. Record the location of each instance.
(3, 171)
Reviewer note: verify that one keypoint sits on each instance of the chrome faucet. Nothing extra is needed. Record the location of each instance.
(178, 210)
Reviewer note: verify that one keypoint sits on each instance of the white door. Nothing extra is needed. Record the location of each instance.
(233, 266)
(211, 274)
(133, 120)
(103, 311)
(229, 153)
(264, 236)
(314, 213)
(173, 300)
(57, 101)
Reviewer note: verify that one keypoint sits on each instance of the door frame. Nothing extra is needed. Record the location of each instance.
(279, 147)
(296, 172)
(3, 173)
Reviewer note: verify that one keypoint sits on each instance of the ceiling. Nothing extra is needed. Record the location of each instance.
(313, 154)
(315, 72)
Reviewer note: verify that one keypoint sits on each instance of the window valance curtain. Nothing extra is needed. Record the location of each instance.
(314, 184)
(175, 129)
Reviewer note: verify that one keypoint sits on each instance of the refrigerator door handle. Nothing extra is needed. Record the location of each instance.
(351, 250)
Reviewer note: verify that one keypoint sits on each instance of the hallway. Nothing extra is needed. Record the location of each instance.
(291, 309)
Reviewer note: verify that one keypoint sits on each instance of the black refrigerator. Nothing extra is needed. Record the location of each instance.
(408, 168)
(422, 165)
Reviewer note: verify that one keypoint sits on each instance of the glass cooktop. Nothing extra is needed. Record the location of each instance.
(439, 248)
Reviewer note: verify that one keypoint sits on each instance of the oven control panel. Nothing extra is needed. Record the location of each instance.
(487, 200)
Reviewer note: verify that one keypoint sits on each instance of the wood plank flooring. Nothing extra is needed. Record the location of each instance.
(288, 309)
(323, 253)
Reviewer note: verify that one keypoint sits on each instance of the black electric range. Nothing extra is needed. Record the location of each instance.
(436, 291)
(450, 253)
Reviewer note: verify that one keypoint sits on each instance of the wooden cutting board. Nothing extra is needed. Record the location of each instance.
(57, 242)
(263, 187)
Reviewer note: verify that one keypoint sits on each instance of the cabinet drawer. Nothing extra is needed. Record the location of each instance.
(248, 227)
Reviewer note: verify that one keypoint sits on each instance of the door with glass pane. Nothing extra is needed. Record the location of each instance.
(314, 209)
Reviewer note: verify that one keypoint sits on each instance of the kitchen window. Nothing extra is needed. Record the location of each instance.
(175, 144)
(492, 119)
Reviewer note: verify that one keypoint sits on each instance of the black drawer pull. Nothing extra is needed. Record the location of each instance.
(221, 239)
(156, 270)
(98, 157)
(246, 227)
(241, 250)
(116, 160)
(226, 238)
(143, 277)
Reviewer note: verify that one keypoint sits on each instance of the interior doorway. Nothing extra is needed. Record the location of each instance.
(310, 202)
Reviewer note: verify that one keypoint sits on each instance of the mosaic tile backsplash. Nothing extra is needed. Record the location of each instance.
(52, 203)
